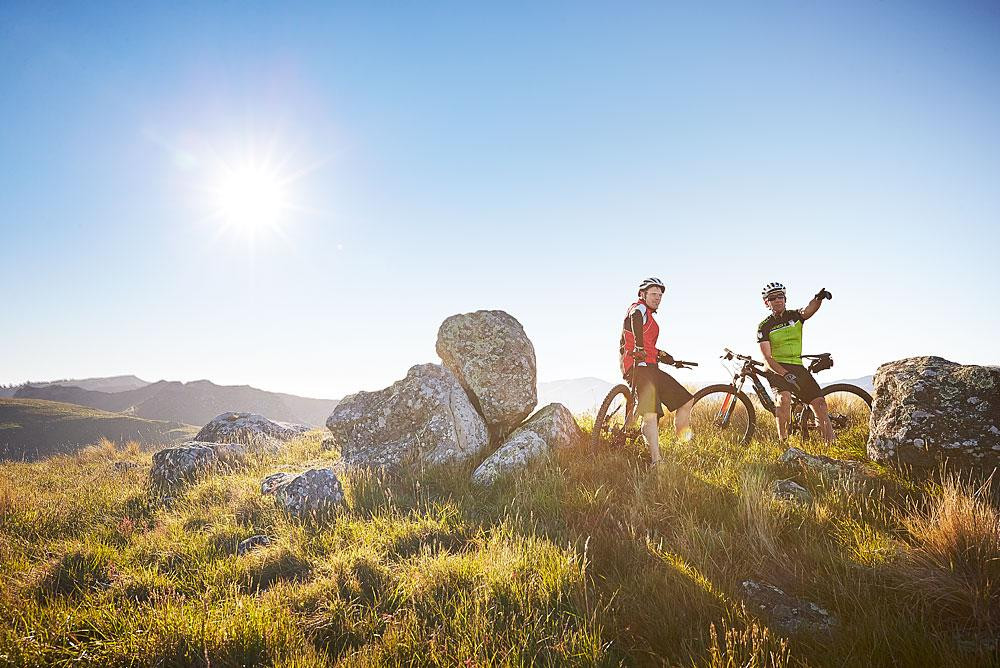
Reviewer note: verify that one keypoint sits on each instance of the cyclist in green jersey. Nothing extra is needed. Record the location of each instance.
(780, 339)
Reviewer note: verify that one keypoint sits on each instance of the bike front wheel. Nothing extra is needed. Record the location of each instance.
(614, 419)
(719, 411)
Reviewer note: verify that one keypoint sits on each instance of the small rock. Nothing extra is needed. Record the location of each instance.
(312, 494)
(821, 463)
(192, 460)
(788, 614)
(792, 491)
(252, 543)
(124, 467)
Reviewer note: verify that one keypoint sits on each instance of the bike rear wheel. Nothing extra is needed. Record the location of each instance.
(850, 411)
(615, 420)
(721, 412)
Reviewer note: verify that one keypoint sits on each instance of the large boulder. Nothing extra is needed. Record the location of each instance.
(312, 494)
(549, 428)
(426, 416)
(494, 361)
(185, 463)
(250, 429)
(928, 410)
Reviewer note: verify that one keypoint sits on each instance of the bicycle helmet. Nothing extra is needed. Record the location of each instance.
(771, 289)
(651, 282)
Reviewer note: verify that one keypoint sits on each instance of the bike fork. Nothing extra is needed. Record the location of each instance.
(728, 406)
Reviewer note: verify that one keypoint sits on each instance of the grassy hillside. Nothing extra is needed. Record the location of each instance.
(583, 560)
(34, 428)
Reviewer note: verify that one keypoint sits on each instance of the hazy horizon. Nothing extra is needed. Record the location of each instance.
(295, 200)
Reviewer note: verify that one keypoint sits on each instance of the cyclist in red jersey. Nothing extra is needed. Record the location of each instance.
(639, 356)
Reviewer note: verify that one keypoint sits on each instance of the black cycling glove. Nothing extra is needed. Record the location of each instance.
(664, 357)
(823, 294)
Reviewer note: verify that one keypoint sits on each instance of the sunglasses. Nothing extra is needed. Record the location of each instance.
(775, 297)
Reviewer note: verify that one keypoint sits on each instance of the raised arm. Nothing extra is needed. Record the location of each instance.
(815, 303)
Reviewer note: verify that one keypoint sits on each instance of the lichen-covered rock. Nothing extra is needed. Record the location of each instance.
(837, 468)
(249, 429)
(312, 494)
(494, 361)
(790, 490)
(788, 614)
(271, 483)
(928, 410)
(551, 427)
(427, 416)
(252, 543)
(192, 460)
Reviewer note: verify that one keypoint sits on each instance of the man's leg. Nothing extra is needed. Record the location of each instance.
(682, 422)
(783, 414)
(651, 432)
(823, 417)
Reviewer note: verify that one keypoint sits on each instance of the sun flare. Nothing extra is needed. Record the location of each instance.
(252, 198)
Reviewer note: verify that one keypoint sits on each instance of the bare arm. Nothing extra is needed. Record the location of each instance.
(811, 308)
(770, 362)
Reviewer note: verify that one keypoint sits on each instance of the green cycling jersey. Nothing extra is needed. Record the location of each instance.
(784, 332)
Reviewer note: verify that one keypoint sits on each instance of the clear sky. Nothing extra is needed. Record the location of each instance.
(540, 158)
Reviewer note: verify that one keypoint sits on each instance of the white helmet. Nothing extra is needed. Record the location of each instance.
(651, 282)
(771, 289)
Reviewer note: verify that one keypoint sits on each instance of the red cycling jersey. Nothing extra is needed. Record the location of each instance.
(650, 332)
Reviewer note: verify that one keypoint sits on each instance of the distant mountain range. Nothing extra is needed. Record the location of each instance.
(32, 428)
(864, 382)
(192, 403)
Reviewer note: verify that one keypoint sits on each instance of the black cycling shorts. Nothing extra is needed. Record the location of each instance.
(808, 387)
(657, 389)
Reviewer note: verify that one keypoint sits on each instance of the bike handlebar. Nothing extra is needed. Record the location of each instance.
(746, 358)
(680, 364)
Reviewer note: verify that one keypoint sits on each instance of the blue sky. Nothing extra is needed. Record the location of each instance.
(539, 158)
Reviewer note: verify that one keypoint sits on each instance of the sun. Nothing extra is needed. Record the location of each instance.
(252, 197)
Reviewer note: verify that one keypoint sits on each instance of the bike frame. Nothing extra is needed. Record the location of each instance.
(748, 370)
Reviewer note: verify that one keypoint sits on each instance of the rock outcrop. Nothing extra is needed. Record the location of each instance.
(928, 410)
(551, 427)
(250, 429)
(494, 361)
(427, 416)
(192, 460)
(312, 494)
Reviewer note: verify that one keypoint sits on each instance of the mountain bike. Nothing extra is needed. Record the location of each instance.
(617, 424)
(727, 410)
